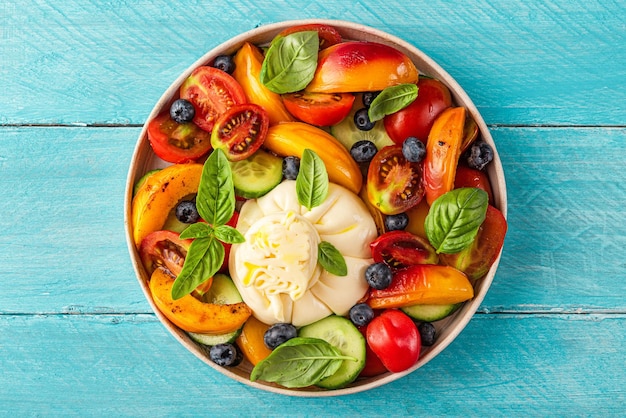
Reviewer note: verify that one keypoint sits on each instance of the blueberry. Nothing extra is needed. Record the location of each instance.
(362, 120)
(278, 334)
(291, 167)
(479, 155)
(427, 333)
(226, 355)
(378, 276)
(224, 63)
(368, 98)
(363, 151)
(187, 212)
(413, 149)
(182, 111)
(361, 314)
(396, 222)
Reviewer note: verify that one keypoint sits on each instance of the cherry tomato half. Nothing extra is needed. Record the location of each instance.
(394, 184)
(328, 35)
(395, 339)
(320, 109)
(399, 249)
(164, 249)
(177, 142)
(212, 92)
(417, 118)
(476, 259)
(240, 131)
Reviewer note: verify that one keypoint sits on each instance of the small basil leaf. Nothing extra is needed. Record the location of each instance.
(331, 259)
(392, 99)
(216, 193)
(454, 218)
(228, 234)
(312, 180)
(197, 230)
(290, 62)
(299, 362)
(203, 260)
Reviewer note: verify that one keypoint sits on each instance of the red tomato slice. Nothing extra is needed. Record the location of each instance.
(212, 93)
(177, 142)
(320, 109)
(395, 339)
(470, 177)
(328, 35)
(394, 184)
(399, 249)
(476, 259)
(164, 249)
(240, 131)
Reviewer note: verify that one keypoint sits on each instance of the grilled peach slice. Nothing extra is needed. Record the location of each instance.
(356, 66)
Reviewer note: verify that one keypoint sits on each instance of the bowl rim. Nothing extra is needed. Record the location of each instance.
(458, 321)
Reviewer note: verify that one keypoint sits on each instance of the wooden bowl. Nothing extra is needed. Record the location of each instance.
(144, 159)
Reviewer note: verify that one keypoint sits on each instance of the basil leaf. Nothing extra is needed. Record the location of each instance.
(299, 362)
(331, 259)
(290, 62)
(203, 260)
(454, 218)
(312, 180)
(392, 99)
(197, 230)
(216, 193)
(228, 234)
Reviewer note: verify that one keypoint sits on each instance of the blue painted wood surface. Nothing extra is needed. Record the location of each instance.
(79, 78)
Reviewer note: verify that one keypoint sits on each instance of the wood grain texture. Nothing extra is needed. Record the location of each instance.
(64, 190)
(78, 78)
(556, 63)
(110, 365)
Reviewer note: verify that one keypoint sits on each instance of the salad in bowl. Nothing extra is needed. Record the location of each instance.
(315, 208)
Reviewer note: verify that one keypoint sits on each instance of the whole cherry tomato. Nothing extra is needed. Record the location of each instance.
(394, 338)
(373, 365)
(417, 118)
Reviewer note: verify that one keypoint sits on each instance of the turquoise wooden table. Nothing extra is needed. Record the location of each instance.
(78, 80)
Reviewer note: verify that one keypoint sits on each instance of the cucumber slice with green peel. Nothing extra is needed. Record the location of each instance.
(257, 175)
(341, 333)
(222, 292)
(430, 313)
(142, 180)
(348, 134)
(215, 339)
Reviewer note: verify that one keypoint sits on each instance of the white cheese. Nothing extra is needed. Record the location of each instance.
(276, 269)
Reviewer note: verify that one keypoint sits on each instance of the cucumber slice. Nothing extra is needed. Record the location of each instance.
(348, 134)
(257, 175)
(341, 333)
(211, 339)
(430, 313)
(142, 180)
(223, 291)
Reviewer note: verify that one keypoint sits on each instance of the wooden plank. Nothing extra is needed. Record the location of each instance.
(65, 249)
(128, 365)
(560, 62)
